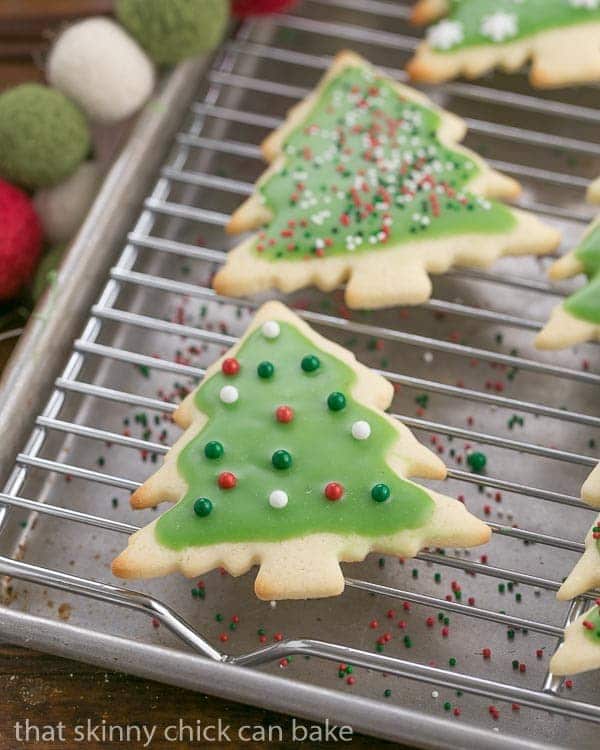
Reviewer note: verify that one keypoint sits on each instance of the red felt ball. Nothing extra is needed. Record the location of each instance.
(20, 240)
(227, 480)
(284, 414)
(334, 491)
(230, 366)
(243, 8)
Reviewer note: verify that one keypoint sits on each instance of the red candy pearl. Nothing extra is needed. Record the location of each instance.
(227, 480)
(230, 366)
(284, 414)
(334, 491)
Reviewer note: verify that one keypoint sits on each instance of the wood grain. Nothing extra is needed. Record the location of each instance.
(49, 690)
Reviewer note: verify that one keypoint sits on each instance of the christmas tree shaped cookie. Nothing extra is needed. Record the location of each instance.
(580, 651)
(586, 574)
(561, 37)
(577, 319)
(288, 462)
(369, 186)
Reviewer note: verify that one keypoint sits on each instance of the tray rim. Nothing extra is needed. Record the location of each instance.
(243, 684)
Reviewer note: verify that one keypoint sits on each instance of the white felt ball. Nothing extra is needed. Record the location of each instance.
(98, 65)
(278, 499)
(361, 430)
(62, 208)
(271, 329)
(229, 394)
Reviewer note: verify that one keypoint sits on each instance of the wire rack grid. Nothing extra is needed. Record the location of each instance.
(158, 299)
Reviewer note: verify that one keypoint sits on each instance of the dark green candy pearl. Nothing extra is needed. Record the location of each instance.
(202, 507)
(477, 461)
(265, 370)
(281, 459)
(336, 401)
(214, 449)
(380, 493)
(310, 363)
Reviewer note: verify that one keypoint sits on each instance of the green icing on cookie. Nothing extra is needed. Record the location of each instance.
(591, 625)
(366, 171)
(483, 22)
(311, 452)
(585, 304)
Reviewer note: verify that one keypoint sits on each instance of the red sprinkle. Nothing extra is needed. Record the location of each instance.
(486, 653)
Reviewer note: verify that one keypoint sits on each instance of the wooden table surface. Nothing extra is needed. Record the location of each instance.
(47, 689)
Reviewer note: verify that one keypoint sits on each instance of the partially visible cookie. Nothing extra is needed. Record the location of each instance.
(591, 489)
(368, 186)
(580, 651)
(586, 574)
(593, 192)
(560, 37)
(577, 319)
(289, 462)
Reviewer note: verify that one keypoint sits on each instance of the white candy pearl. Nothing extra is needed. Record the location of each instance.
(271, 329)
(278, 499)
(229, 394)
(361, 430)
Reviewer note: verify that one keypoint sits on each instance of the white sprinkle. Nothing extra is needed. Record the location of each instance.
(428, 357)
(361, 430)
(271, 329)
(499, 26)
(229, 394)
(278, 499)
(435, 694)
(445, 34)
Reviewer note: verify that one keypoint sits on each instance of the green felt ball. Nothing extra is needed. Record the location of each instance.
(43, 136)
(172, 30)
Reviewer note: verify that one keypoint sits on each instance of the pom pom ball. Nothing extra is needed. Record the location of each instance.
(172, 30)
(243, 8)
(43, 136)
(100, 67)
(63, 207)
(20, 240)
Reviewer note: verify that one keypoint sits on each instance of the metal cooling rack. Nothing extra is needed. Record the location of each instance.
(158, 299)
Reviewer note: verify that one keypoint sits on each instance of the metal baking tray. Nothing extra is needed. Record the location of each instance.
(467, 376)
